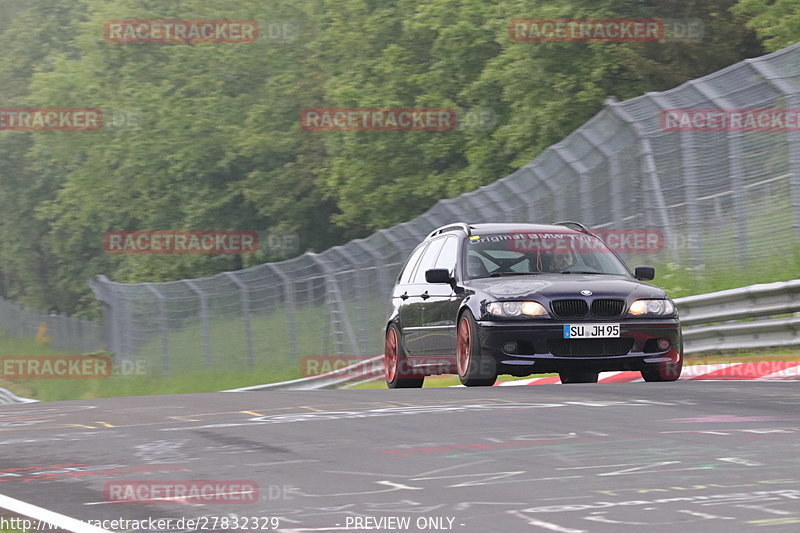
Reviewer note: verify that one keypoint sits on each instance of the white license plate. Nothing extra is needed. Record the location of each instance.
(590, 331)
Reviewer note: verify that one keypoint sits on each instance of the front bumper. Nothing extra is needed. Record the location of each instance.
(542, 348)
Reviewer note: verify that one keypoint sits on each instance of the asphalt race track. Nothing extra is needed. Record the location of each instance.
(655, 457)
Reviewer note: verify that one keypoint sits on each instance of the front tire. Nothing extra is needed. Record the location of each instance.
(474, 368)
(399, 375)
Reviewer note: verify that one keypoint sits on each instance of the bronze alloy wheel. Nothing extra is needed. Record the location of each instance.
(399, 374)
(464, 348)
(390, 355)
(474, 369)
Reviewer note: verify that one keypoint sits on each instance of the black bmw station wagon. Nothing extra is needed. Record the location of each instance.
(486, 299)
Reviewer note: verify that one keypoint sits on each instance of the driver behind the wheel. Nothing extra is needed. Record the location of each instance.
(561, 260)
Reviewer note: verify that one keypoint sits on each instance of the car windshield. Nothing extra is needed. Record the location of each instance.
(532, 253)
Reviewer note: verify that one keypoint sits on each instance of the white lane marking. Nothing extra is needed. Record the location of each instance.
(285, 462)
(50, 517)
(546, 525)
(765, 509)
(739, 460)
(706, 516)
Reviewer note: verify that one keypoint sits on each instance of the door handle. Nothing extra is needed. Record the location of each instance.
(404, 296)
(425, 295)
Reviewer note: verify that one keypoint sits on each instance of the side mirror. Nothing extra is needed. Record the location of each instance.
(438, 275)
(644, 272)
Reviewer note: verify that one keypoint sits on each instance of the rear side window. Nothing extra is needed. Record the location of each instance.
(447, 257)
(428, 260)
(405, 275)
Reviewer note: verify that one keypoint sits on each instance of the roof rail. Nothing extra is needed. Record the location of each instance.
(574, 225)
(451, 227)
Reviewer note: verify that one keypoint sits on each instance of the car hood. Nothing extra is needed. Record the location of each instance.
(558, 286)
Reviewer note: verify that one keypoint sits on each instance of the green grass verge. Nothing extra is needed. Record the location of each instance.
(198, 379)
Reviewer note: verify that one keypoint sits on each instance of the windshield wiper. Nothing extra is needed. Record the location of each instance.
(586, 272)
(498, 274)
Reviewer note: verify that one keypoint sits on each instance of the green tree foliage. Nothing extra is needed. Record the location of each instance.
(776, 22)
(208, 136)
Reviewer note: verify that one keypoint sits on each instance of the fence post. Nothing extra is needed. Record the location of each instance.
(245, 302)
(162, 328)
(582, 173)
(100, 290)
(333, 297)
(72, 330)
(691, 193)
(291, 305)
(358, 302)
(204, 320)
(614, 179)
(559, 209)
(739, 201)
(53, 332)
(736, 173)
(780, 83)
(794, 170)
(649, 169)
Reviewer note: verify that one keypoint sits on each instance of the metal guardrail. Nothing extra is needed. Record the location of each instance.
(765, 299)
(735, 319)
(7, 398)
(772, 333)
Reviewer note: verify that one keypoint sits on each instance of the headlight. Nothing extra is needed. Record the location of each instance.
(516, 309)
(651, 308)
